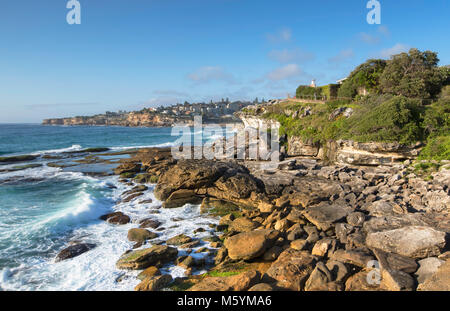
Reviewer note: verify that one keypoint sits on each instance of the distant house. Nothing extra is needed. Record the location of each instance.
(341, 81)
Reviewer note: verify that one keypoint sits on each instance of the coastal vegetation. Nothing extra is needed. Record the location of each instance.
(406, 100)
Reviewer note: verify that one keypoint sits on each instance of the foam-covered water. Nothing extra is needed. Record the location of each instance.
(44, 209)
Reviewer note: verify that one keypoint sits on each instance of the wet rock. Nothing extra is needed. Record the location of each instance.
(117, 218)
(179, 240)
(140, 235)
(74, 251)
(240, 282)
(249, 245)
(141, 259)
(413, 241)
(154, 283)
(149, 272)
(291, 269)
(181, 197)
(359, 282)
(132, 197)
(149, 223)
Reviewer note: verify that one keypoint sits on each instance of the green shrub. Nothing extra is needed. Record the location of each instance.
(308, 91)
(437, 148)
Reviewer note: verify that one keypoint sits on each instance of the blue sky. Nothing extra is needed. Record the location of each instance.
(131, 54)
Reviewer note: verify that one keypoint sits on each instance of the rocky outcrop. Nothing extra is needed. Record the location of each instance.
(240, 282)
(74, 251)
(141, 259)
(249, 245)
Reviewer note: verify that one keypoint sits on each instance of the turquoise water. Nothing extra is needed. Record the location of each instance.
(42, 209)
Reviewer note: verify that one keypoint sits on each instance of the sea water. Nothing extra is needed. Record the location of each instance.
(45, 209)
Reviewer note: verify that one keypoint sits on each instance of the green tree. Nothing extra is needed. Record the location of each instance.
(414, 74)
(366, 75)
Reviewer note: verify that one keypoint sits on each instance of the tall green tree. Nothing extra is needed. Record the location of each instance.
(366, 75)
(414, 74)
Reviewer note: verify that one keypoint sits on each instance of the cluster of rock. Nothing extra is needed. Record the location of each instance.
(300, 226)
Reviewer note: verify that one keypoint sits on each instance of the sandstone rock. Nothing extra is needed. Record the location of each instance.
(358, 282)
(240, 282)
(154, 283)
(323, 216)
(395, 261)
(299, 244)
(127, 168)
(239, 186)
(355, 257)
(428, 267)
(295, 232)
(140, 235)
(439, 281)
(149, 272)
(74, 251)
(338, 270)
(226, 220)
(192, 174)
(149, 223)
(395, 280)
(141, 259)
(249, 245)
(291, 269)
(282, 225)
(243, 224)
(324, 247)
(321, 280)
(356, 219)
(265, 207)
(117, 218)
(181, 197)
(179, 240)
(273, 253)
(413, 241)
(261, 287)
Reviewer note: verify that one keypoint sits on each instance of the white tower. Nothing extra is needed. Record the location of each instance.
(313, 83)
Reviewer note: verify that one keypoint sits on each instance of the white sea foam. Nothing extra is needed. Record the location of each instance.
(68, 149)
(96, 269)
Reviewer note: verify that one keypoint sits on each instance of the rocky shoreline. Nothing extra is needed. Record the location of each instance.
(301, 225)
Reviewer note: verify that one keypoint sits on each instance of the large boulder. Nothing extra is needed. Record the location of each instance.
(243, 224)
(179, 240)
(73, 251)
(127, 168)
(240, 282)
(291, 269)
(181, 197)
(140, 235)
(439, 281)
(412, 241)
(324, 215)
(249, 245)
(144, 258)
(154, 283)
(192, 174)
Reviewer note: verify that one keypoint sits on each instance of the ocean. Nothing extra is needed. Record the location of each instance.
(45, 208)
